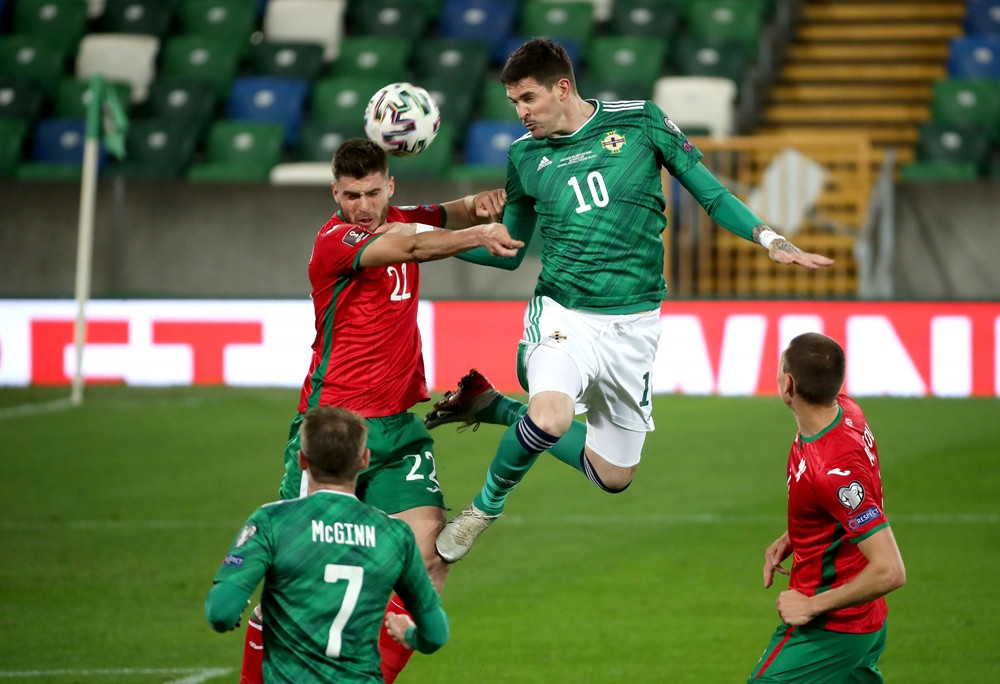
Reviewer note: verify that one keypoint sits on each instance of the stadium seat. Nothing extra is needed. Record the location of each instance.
(373, 57)
(433, 162)
(633, 60)
(614, 90)
(953, 143)
(982, 18)
(72, 97)
(341, 99)
(494, 105)
(48, 171)
(271, 99)
(488, 141)
(62, 23)
(287, 60)
(698, 102)
(31, 59)
(487, 20)
(455, 99)
(738, 20)
(13, 133)
(232, 19)
(644, 19)
(183, 99)
(501, 50)
(388, 18)
(20, 99)
(310, 21)
(205, 58)
(60, 141)
(239, 151)
(558, 20)
(968, 101)
(318, 140)
(150, 17)
(938, 171)
(693, 57)
(157, 148)
(121, 57)
(461, 60)
(974, 57)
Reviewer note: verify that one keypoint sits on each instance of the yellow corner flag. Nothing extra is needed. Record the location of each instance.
(106, 112)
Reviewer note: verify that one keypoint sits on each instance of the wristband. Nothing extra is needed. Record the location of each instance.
(768, 236)
(423, 228)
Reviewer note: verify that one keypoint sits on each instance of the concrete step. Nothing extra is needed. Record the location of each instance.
(855, 113)
(837, 93)
(918, 51)
(906, 11)
(847, 71)
(879, 31)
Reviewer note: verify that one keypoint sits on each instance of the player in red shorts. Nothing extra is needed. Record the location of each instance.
(844, 555)
(367, 353)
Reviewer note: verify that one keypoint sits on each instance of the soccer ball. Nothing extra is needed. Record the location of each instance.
(402, 119)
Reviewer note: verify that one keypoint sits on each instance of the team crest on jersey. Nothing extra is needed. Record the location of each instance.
(557, 336)
(355, 236)
(614, 142)
(851, 495)
(245, 534)
(672, 127)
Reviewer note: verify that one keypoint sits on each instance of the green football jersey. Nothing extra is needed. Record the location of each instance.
(329, 564)
(597, 197)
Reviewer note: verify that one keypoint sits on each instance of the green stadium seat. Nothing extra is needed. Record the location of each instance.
(695, 57)
(953, 143)
(968, 101)
(318, 140)
(610, 91)
(149, 17)
(72, 97)
(20, 99)
(464, 61)
(373, 57)
(62, 23)
(558, 20)
(626, 59)
(239, 151)
(287, 60)
(433, 162)
(191, 101)
(342, 99)
(494, 105)
(938, 171)
(388, 18)
(738, 20)
(157, 148)
(13, 133)
(207, 58)
(32, 59)
(48, 171)
(644, 19)
(234, 20)
(455, 99)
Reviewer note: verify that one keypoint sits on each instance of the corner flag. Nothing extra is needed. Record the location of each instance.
(105, 113)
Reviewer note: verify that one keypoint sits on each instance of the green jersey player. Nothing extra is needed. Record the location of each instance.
(329, 564)
(587, 174)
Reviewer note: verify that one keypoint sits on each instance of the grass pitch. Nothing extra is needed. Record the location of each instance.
(114, 517)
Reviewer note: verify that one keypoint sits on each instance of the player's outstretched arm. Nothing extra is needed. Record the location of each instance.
(426, 244)
(483, 207)
(784, 252)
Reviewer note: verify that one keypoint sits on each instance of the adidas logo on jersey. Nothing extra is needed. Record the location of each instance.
(542, 164)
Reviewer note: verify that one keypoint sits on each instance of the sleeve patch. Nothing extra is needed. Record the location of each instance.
(233, 559)
(355, 236)
(851, 495)
(246, 533)
(863, 518)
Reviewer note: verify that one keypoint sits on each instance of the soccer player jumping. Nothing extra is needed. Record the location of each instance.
(588, 173)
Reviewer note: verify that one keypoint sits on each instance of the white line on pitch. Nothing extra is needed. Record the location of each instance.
(192, 675)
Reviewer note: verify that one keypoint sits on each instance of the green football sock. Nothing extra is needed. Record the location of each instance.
(510, 464)
(502, 411)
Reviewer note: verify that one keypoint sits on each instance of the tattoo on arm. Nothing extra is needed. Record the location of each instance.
(783, 245)
(757, 230)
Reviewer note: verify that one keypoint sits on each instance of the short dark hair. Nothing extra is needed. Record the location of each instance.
(333, 440)
(541, 59)
(359, 157)
(817, 365)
